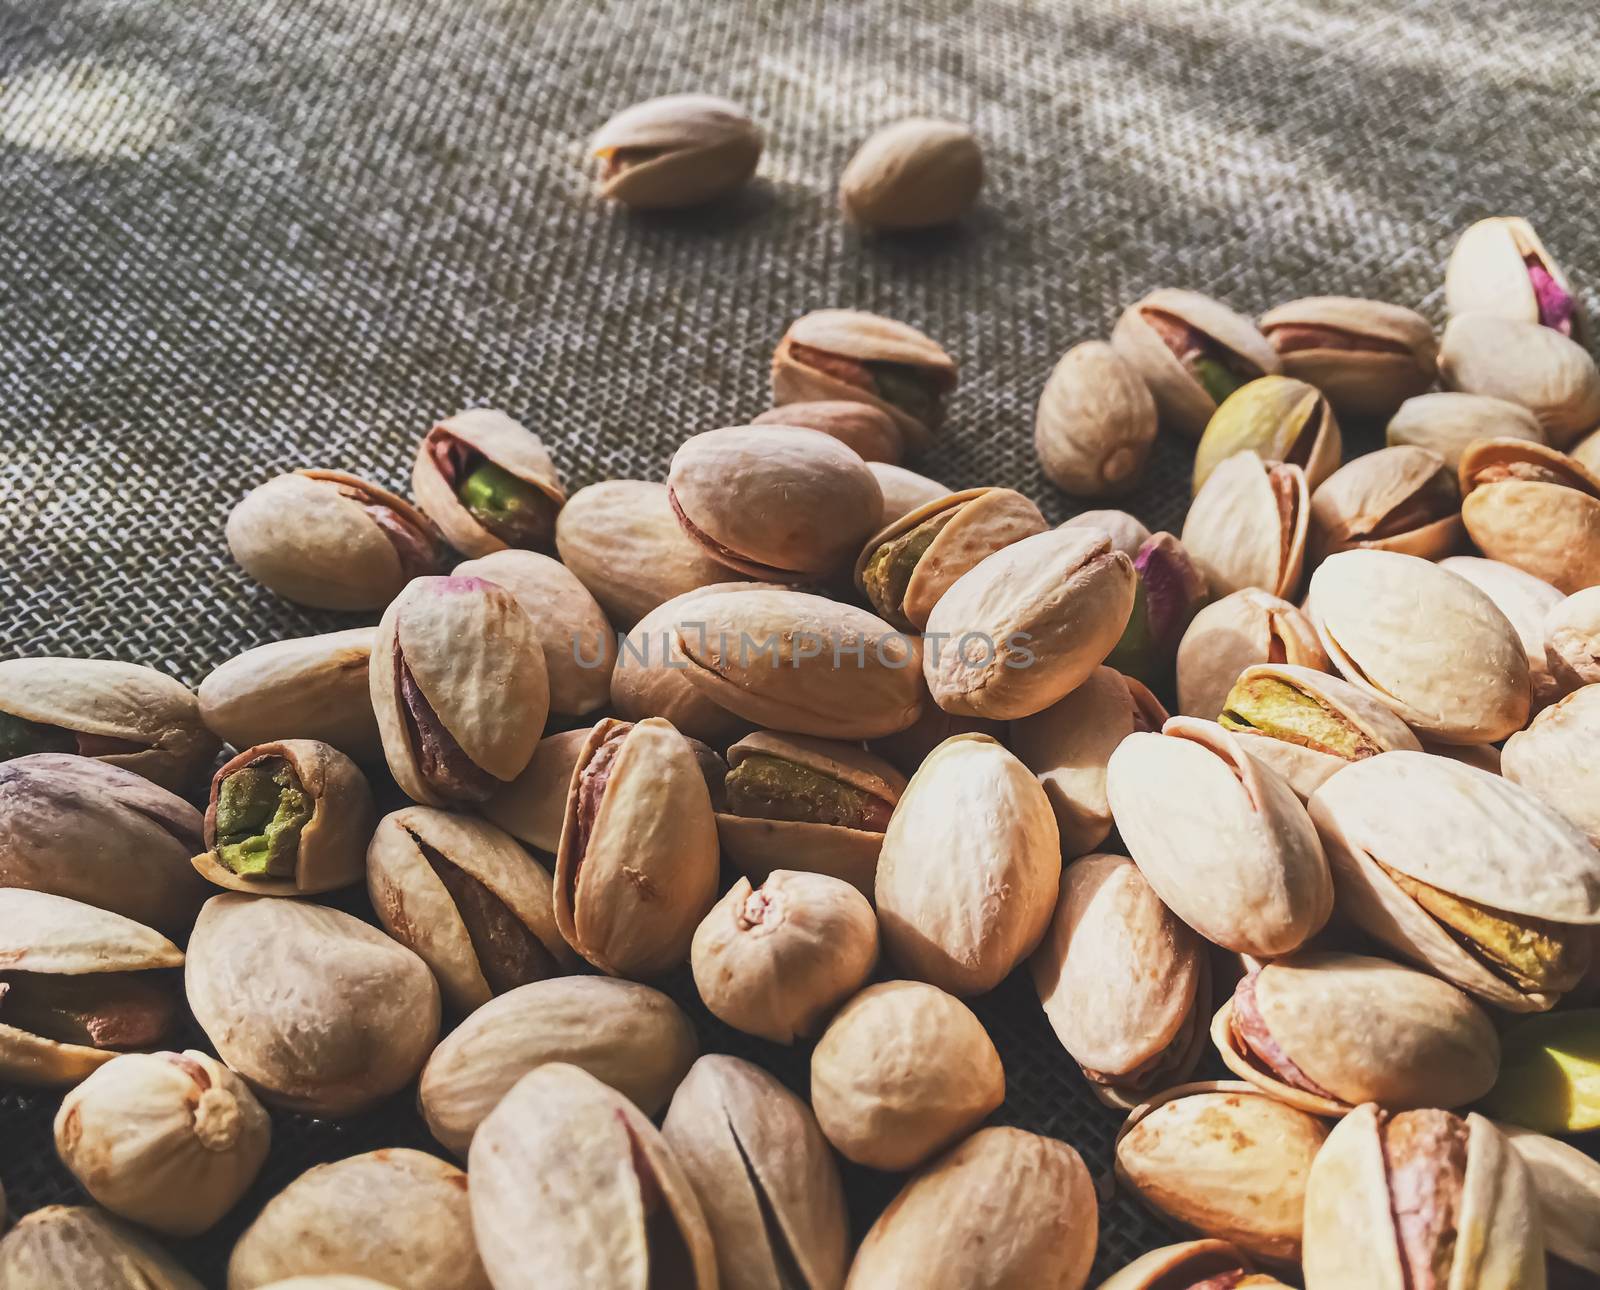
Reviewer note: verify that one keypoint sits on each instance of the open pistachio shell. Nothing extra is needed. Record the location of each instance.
(675, 151)
(870, 432)
(71, 1245)
(1572, 640)
(1367, 356)
(912, 174)
(1524, 363)
(1524, 599)
(1170, 591)
(1248, 526)
(1554, 758)
(1550, 1076)
(1566, 1181)
(1193, 1265)
(1279, 419)
(1096, 423)
(1396, 499)
(903, 490)
(651, 678)
(488, 483)
(1231, 634)
(1499, 266)
(1448, 422)
(1535, 509)
(531, 807)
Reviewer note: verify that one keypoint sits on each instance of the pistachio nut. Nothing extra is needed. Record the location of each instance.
(580, 647)
(1567, 1184)
(1306, 725)
(1499, 266)
(904, 568)
(1550, 1073)
(615, 1207)
(1424, 641)
(1420, 1198)
(628, 1036)
(1447, 422)
(903, 1071)
(932, 1234)
(636, 867)
(1484, 757)
(870, 432)
(970, 867)
(470, 902)
(1169, 592)
(318, 1011)
(903, 490)
(1222, 838)
(312, 687)
(777, 504)
(73, 1245)
(330, 540)
(1586, 452)
(776, 960)
(916, 173)
(1024, 627)
(1279, 419)
(1524, 599)
(907, 749)
(1572, 640)
(1095, 424)
(1524, 363)
(1068, 744)
(1124, 984)
(169, 1140)
(396, 1214)
(80, 828)
(1535, 509)
(459, 684)
(1396, 499)
(1248, 526)
(651, 678)
(765, 1178)
(676, 151)
(335, 1281)
(78, 986)
(531, 807)
(488, 483)
(1193, 352)
(120, 713)
(1367, 356)
(1231, 634)
(1127, 533)
(1430, 857)
(1225, 1160)
(1193, 1265)
(847, 354)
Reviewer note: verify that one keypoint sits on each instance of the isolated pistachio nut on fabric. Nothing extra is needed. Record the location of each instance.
(1448, 422)
(1279, 419)
(488, 483)
(1095, 424)
(912, 174)
(676, 151)
(1367, 356)
(1499, 266)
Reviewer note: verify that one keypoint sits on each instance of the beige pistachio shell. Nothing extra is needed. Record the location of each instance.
(319, 1012)
(72, 1245)
(1566, 1182)
(870, 432)
(1222, 839)
(336, 1281)
(1352, 1237)
(1572, 640)
(1586, 452)
(1096, 423)
(970, 867)
(1447, 422)
(1231, 634)
(903, 490)
(1524, 599)
(616, 1208)
(396, 1214)
(1279, 419)
(651, 678)
(479, 433)
(1224, 1160)
(312, 687)
(531, 807)
(169, 1140)
(1367, 356)
(1127, 532)
(1068, 744)
(1555, 758)
(916, 173)
(1533, 508)
(1488, 272)
(903, 1071)
(1387, 620)
(1188, 1265)
(764, 1175)
(1524, 363)
(628, 1036)
(1396, 499)
(1248, 525)
(677, 150)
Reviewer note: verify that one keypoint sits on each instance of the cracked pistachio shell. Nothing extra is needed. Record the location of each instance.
(1572, 640)
(916, 173)
(73, 1245)
(457, 445)
(765, 1178)
(1024, 628)
(123, 714)
(1550, 1073)
(1395, 499)
(477, 662)
(56, 937)
(573, 1189)
(313, 687)
(319, 1012)
(902, 576)
(395, 1213)
(330, 540)
(1068, 744)
(846, 354)
(76, 827)
(901, 1072)
(777, 503)
(1483, 1214)
(636, 868)
(1467, 833)
(1279, 419)
(675, 151)
(531, 807)
(1095, 424)
(1493, 269)
(1193, 1265)
(1223, 1159)
(776, 960)
(1248, 525)
(1231, 634)
(1524, 363)
(1367, 356)
(1524, 599)
(652, 676)
(1169, 333)
(488, 929)
(1124, 984)
(1447, 422)
(628, 1036)
(1567, 1184)
(1035, 1189)
(903, 490)
(1127, 533)
(1535, 509)
(1426, 642)
(970, 867)
(1221, 838)
(869, 432)
(169, 1140)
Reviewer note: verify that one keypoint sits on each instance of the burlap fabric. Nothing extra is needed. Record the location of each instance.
(257, 234)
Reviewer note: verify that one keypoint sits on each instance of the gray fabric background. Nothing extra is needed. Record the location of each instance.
(251, 235)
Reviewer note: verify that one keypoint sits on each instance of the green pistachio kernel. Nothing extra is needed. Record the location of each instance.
(1550, 1073)
(1216, 379)
(512, 509)
(19, 738)
(888, 572)
(261, 810)
(769, 788)
(1276, 708)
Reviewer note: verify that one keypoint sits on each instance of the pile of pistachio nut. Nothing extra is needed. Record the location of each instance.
(863, 748)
